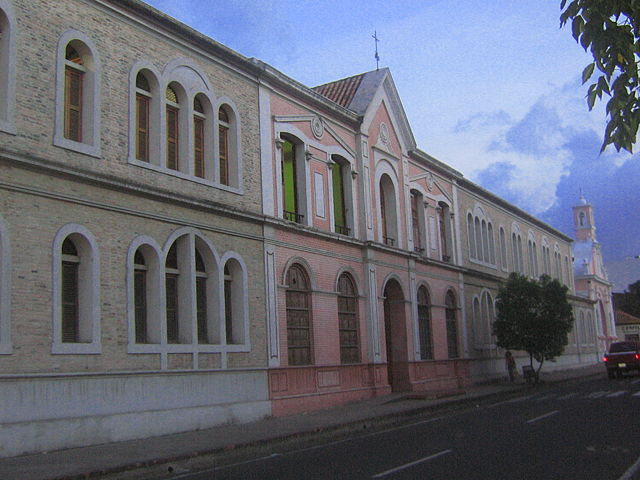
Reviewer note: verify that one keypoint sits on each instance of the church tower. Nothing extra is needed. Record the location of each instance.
(583, 221)
(590, 276)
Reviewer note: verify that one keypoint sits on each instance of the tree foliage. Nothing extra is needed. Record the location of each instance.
(534, 316)
(629, 301)
(609, 29)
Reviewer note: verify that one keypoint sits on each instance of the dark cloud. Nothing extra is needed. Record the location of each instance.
(611, 188)
(531, 134)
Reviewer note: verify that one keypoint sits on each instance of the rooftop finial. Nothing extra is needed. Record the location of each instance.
(375, 37)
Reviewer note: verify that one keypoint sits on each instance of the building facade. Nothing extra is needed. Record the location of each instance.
(188, 237)
(591, 278)
(132, 278)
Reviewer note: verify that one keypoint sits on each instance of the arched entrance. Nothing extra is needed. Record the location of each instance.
(395, 333)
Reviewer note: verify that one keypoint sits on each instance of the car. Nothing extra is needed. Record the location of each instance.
(622, 357)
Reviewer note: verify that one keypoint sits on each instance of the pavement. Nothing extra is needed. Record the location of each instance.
(98, 460)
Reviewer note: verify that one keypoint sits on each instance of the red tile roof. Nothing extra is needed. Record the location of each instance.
(623, 318)
(341, 91)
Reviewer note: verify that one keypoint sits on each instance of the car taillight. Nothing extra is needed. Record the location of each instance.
(637, 356)
(605, 358)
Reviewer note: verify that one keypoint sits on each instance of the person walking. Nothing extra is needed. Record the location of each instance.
(511, 365)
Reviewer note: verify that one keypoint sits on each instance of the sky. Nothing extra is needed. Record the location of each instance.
(495, 92)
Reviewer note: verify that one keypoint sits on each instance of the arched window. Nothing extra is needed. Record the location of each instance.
(299, 324)
(173, 128)
(76, 292)
(144, 296)
(5, 291)
(143, 120)
(531, 264)
(485, 242)
(444, 220)
(199, 138)
(201, 299)
(172, 277)
(70, 292)
(478, 234)
(388, 213)
(581, 219)
(229, 152)
(471, 236)
(488, 317)
(74, 77)
(235, 302)
(492, 245)
(7, 69)
(77, 125)
(223, 145)
(191, 292)
(140, 297)
(417, 222)
(477, 324)
(452, 324)
(424, 324)
(503, 249)
(348, 320)
(518, 261)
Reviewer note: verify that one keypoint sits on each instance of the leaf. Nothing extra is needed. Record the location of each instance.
(587, 72)
(577, 26)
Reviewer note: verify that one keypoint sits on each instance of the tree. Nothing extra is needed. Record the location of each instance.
(629, 301)
(610, 29)
(534, 316)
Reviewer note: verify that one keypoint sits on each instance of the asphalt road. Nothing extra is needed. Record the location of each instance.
(588, 429)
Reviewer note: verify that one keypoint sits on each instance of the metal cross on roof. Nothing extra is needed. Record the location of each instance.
(375, 37)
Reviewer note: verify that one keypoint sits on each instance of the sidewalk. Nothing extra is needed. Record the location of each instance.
(79, 463)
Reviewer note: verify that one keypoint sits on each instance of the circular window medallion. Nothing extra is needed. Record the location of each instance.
(317, 127)
(384, 133)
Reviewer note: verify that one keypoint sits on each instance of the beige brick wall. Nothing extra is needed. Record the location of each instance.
(120, 44)
(114, 200)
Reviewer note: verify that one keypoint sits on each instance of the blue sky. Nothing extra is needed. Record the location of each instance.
(493, 91)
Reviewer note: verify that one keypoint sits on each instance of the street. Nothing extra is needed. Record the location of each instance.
(582, 429)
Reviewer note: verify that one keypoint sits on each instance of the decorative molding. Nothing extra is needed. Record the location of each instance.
(317, 127)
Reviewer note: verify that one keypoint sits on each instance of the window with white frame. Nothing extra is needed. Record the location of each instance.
(446, 234)
(451, 324)
(557, 260)
(77, 125)
(183, 301)
(516, 247)
(235, 301)
(342, 198)
(348, 325)
(503, 250)
(145, 291)
(481, 240)
(293, 173)
(533, 256)
(388, 211)
(76, 284)
(7, 68)
(418, 226)
(299, 316)
(424, 324)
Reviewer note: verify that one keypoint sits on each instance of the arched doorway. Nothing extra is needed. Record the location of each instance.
(395, 333)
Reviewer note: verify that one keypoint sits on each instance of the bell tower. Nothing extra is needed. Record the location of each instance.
(583, 221)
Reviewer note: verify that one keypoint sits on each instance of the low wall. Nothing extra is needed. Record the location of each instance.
(41, 413)
(302, 389)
